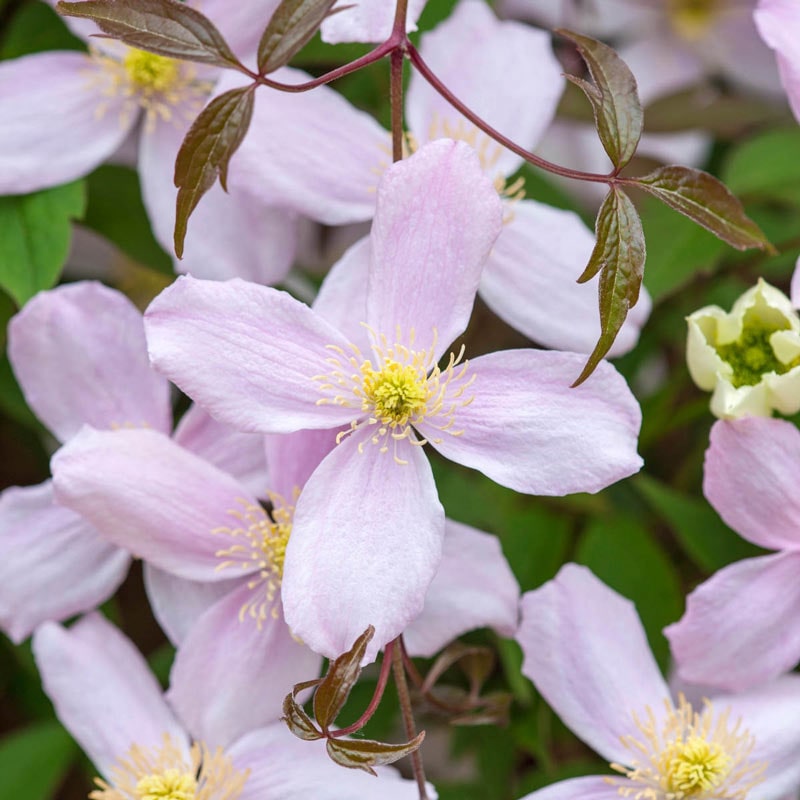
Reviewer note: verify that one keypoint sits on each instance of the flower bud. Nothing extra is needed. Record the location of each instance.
(749, 358)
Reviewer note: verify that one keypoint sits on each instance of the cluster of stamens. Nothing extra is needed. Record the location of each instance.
(690, 754)
(691, 18)
(261, 548)
(402, 388)
(169, 773)
(156, 84)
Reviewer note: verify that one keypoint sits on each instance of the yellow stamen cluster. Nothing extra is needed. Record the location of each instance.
(264, 536)
(402, 388)
(691, 19)
(156, 84)
(169, 773)
(689, 754)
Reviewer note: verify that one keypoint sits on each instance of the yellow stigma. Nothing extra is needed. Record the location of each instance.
(690, 19)
(264, 536)
(688, 754)
(395, 393)
(149, 72)
(399, 388)
(170, 785)
(172, 772)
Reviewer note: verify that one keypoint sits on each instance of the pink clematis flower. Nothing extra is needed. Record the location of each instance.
(778, 22)
(79, 354)
(99, 97)
(330, 170)
(215, 558)
(105, 695)
(368, 527)
(603, 681)
(741, 625)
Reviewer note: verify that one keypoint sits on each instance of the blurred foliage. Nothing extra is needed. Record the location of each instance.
(652, 538)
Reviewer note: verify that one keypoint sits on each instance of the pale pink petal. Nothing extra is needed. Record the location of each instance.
(239, 454)
(240, 23)
(80, 356)
(283, 767)
(504, 71)
(366, 21)
(474, 588)
(778, 22)
(742, 625)
(770, 713)
(587, 653)
(293, 457)
(365, 545)
(230, 235)
(177, 603)
(342, 298)
(752, 469)
(53, 564)
(592, 787)
(312, 152)
(151, 497)
(528, 430)
(103, 690)
(437, 218)
(530, 281)
(795, 288)
(40, 89)
(240, 673)
(247, 353)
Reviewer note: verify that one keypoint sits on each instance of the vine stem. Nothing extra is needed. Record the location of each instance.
(377, 695)
(426, 72)
(407, 712)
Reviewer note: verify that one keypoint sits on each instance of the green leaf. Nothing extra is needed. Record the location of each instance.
(35, 232)
(34, 761)
(206, 152)
(366, 753)
(116, 211)
(705, 538)
(622, 553)
(291, 26)
(619, 256)
(333, 691)
(615, 101)
(166, 27)
(33, 28)
(767, 166)
(706, 200)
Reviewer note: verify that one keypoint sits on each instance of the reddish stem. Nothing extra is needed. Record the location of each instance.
(377, 696)
(425, 71)
(408, 719)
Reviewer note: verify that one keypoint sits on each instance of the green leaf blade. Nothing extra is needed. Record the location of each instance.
(614, 97)
(207, 150)
(35, 234)
(165, 27)
(619, 256)
(708, 202)
(290, 28)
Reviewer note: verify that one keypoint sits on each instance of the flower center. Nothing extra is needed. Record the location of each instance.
(689, 755)
(264, 535)
(752, 356)
(404, 387)
(170, 785)
(167, 772)
(156, 84)
(690, 19)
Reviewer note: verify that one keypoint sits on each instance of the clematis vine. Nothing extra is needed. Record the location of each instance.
(605, 685)
(105, 695)
(750, 357)
(740, 627)
(79, 354)
(529, 279)
(368, 527)
(103, 96)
